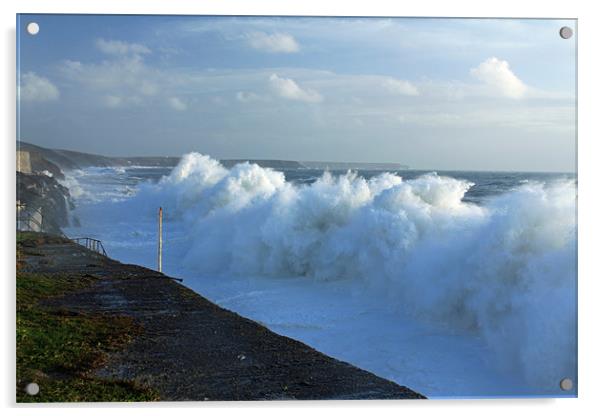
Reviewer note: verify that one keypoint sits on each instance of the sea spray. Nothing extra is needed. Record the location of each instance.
(504, 270)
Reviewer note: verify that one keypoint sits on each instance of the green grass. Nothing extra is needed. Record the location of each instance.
(23, 236)
(27, 242)
(32, 237)
(58, 348)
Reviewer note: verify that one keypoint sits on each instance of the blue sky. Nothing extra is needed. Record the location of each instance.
(430, 93)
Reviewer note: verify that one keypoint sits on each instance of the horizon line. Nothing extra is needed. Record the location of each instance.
(249, 159)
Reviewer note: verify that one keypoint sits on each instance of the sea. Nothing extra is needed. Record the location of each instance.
(455, 284)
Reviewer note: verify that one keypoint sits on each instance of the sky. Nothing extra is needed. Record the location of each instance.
(449, 94)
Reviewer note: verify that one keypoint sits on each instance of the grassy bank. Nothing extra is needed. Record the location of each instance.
(59, 349)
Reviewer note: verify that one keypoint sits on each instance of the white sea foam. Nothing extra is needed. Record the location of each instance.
(71, 182)
(503, 272)
(96, 184)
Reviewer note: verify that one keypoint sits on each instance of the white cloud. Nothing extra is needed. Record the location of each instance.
(122, 79)
(274, 43)
(177, 104)
(118, 101)
(497, 75)
(245, 97)
(148, 88)
(112, 101)
(72, 66)
(541, 118)
(289, 89)
(117, 47)
(398, 86)
(219, 100)
(36, 88)
(433, 118)
(353, 99)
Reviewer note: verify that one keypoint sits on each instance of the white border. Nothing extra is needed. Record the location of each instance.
(590, 35)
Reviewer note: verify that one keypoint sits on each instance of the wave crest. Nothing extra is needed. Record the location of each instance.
(506, 269)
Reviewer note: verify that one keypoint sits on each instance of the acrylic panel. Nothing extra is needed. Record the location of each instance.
(274, 208)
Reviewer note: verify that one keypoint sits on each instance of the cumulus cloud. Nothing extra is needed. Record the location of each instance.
(177, 104)
(37, 88)
(123, 79)
(398, 86)
(274, 43)
(497, 75)
(117, 47)
(289, 89)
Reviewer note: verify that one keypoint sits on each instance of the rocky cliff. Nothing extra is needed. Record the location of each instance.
(41, 195)
(43, 204)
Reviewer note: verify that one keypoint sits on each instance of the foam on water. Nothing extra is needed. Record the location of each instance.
(405, 270)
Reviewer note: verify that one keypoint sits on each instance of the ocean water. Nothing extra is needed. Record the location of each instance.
(455, 284)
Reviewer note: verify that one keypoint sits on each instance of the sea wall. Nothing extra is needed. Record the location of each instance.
(184, 347)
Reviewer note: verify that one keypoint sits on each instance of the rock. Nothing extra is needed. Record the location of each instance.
(43, 196)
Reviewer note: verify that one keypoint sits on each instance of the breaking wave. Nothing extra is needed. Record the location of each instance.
(505, 270)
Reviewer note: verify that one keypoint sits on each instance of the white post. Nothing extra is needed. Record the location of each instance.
(160, 248)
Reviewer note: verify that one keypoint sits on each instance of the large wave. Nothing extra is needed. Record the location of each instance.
(505, 270)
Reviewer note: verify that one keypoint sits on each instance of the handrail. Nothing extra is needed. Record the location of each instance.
(91, 244)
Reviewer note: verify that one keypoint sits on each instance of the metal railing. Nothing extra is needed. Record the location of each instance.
(91, 244)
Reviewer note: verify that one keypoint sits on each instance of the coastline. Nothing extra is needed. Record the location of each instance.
(183, 347)
(318, 315)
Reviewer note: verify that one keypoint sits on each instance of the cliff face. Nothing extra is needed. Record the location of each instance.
(69, 160)
(42, 194)
(40, 165)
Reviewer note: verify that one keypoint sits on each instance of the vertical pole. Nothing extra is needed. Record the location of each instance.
(160, 248)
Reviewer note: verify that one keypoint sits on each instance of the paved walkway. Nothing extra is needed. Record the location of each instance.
(191, 349)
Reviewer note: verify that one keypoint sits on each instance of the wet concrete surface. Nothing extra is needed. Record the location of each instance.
(192, 349)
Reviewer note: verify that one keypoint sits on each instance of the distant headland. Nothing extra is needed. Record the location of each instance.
(69, 160)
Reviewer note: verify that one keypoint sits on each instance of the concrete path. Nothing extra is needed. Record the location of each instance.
(191, 349)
